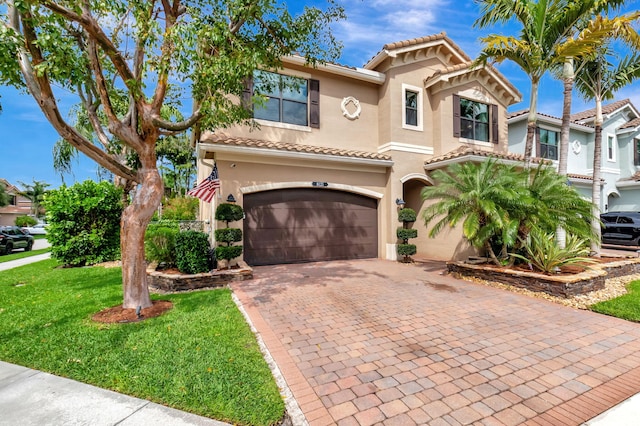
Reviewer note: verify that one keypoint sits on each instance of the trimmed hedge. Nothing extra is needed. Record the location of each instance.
(192, 252)
(407, 215)
(160, 242)
(404, 233)
(407, 249)
(228, 235)
(228, 252)
(229, 212)
(22, 221)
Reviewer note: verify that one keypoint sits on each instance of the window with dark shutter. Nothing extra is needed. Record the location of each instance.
(456, 116)
(636, 152)
(314, 104)
(288, 99)
(494, 124)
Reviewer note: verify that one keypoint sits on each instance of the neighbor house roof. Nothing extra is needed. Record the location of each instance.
(631, 124)
(606, 109)
(222, 140)
(522, 115)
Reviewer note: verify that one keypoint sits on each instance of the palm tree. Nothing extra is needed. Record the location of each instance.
(4, 197)
(35, 194)
(598, 79)
(545, 40)
(500, 205)
(480, 195)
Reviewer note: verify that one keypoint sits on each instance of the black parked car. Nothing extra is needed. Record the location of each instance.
(12, 237)
(622, 228)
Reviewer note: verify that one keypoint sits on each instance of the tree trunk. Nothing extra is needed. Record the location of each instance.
(531, 123)
(133, 225)
(596, 186)
(567, 79)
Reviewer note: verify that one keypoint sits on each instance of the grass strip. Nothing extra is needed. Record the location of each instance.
(626, 306)
(200, 357)
(23, 254)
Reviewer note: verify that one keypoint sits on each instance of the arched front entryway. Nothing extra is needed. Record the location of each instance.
(412, 186)
(295, 225)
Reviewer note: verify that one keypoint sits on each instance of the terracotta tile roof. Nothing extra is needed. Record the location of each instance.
(467, 65)
(425, 39)
(631, 124)
(526, 111)
(633, 177)
(583, 177)
(221, 139)
(606, 109)
(468, 151)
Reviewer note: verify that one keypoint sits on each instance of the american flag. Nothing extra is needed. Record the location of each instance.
(206, 189)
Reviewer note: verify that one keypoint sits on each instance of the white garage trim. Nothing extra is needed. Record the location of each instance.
(334, 186)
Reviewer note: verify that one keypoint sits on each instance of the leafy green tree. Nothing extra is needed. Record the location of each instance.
(84, 222)
(598, 79)
(35, 193)
(4, 196)
(178, 164)
(118, 57)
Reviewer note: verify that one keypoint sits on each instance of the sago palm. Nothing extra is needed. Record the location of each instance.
(480, 195)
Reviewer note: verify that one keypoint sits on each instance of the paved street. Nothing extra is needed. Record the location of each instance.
(378, 342)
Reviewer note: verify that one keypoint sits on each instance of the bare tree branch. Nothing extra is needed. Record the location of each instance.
(177, 127)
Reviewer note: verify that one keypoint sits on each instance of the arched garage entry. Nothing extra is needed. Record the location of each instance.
(296, 225)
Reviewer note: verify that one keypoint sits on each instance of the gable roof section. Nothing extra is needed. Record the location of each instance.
(221, 142)
(449, 73)
(391, 50)
(631, 125)
(590, 114)
(362, 74)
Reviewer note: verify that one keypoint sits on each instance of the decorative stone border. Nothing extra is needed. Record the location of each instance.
(555, 285)
(183, 282)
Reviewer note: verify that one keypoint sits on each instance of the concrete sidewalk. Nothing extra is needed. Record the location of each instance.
(37, 245)
(33, 398)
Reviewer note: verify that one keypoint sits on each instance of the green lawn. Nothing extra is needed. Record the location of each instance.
(625, 307)
(199, 357)
(21, 254)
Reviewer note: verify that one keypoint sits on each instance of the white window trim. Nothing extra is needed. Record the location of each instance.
(281, 125)
(611, 159)
(418, 90)
(537, 142)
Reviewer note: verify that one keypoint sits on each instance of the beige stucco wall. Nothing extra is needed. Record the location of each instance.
(336, 131)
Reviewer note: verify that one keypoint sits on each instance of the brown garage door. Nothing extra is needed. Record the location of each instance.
(306, 225)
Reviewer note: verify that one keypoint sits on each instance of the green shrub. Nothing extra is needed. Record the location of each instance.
(228, 252)
(228, 212)
(406, 249)
(160, 242)
(228, 235)
(404, 234)
(25, 221)
(542, 252)
(407, 215)
(192, 252)
(84, 222)
(180, 208)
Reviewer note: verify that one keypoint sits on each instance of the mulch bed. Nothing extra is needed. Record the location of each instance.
(118, 314)
(566, 270)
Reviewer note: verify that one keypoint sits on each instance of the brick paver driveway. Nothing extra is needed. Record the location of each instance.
(377, 342)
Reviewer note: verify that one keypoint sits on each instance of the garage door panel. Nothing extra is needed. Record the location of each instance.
(301, 225)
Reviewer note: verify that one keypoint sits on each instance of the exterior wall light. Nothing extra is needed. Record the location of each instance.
(231, 199)
(400, 202)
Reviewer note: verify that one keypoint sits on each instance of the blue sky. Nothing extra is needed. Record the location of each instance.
(27, 138)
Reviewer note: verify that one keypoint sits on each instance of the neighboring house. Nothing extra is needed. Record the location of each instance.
(18, 205)
(620, 151)
(338, 146)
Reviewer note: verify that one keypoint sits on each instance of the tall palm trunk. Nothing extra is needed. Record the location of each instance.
(531, 122)
(567, 79)
(596, 186)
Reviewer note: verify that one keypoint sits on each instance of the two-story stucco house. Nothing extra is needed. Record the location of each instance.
(339, 147)
(620, 153)
(19, 205)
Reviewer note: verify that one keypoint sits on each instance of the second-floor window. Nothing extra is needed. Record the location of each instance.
(611, 148)
(475, 120)
(547, 141)
(411, 108)
(289, 99)
(636, 152)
